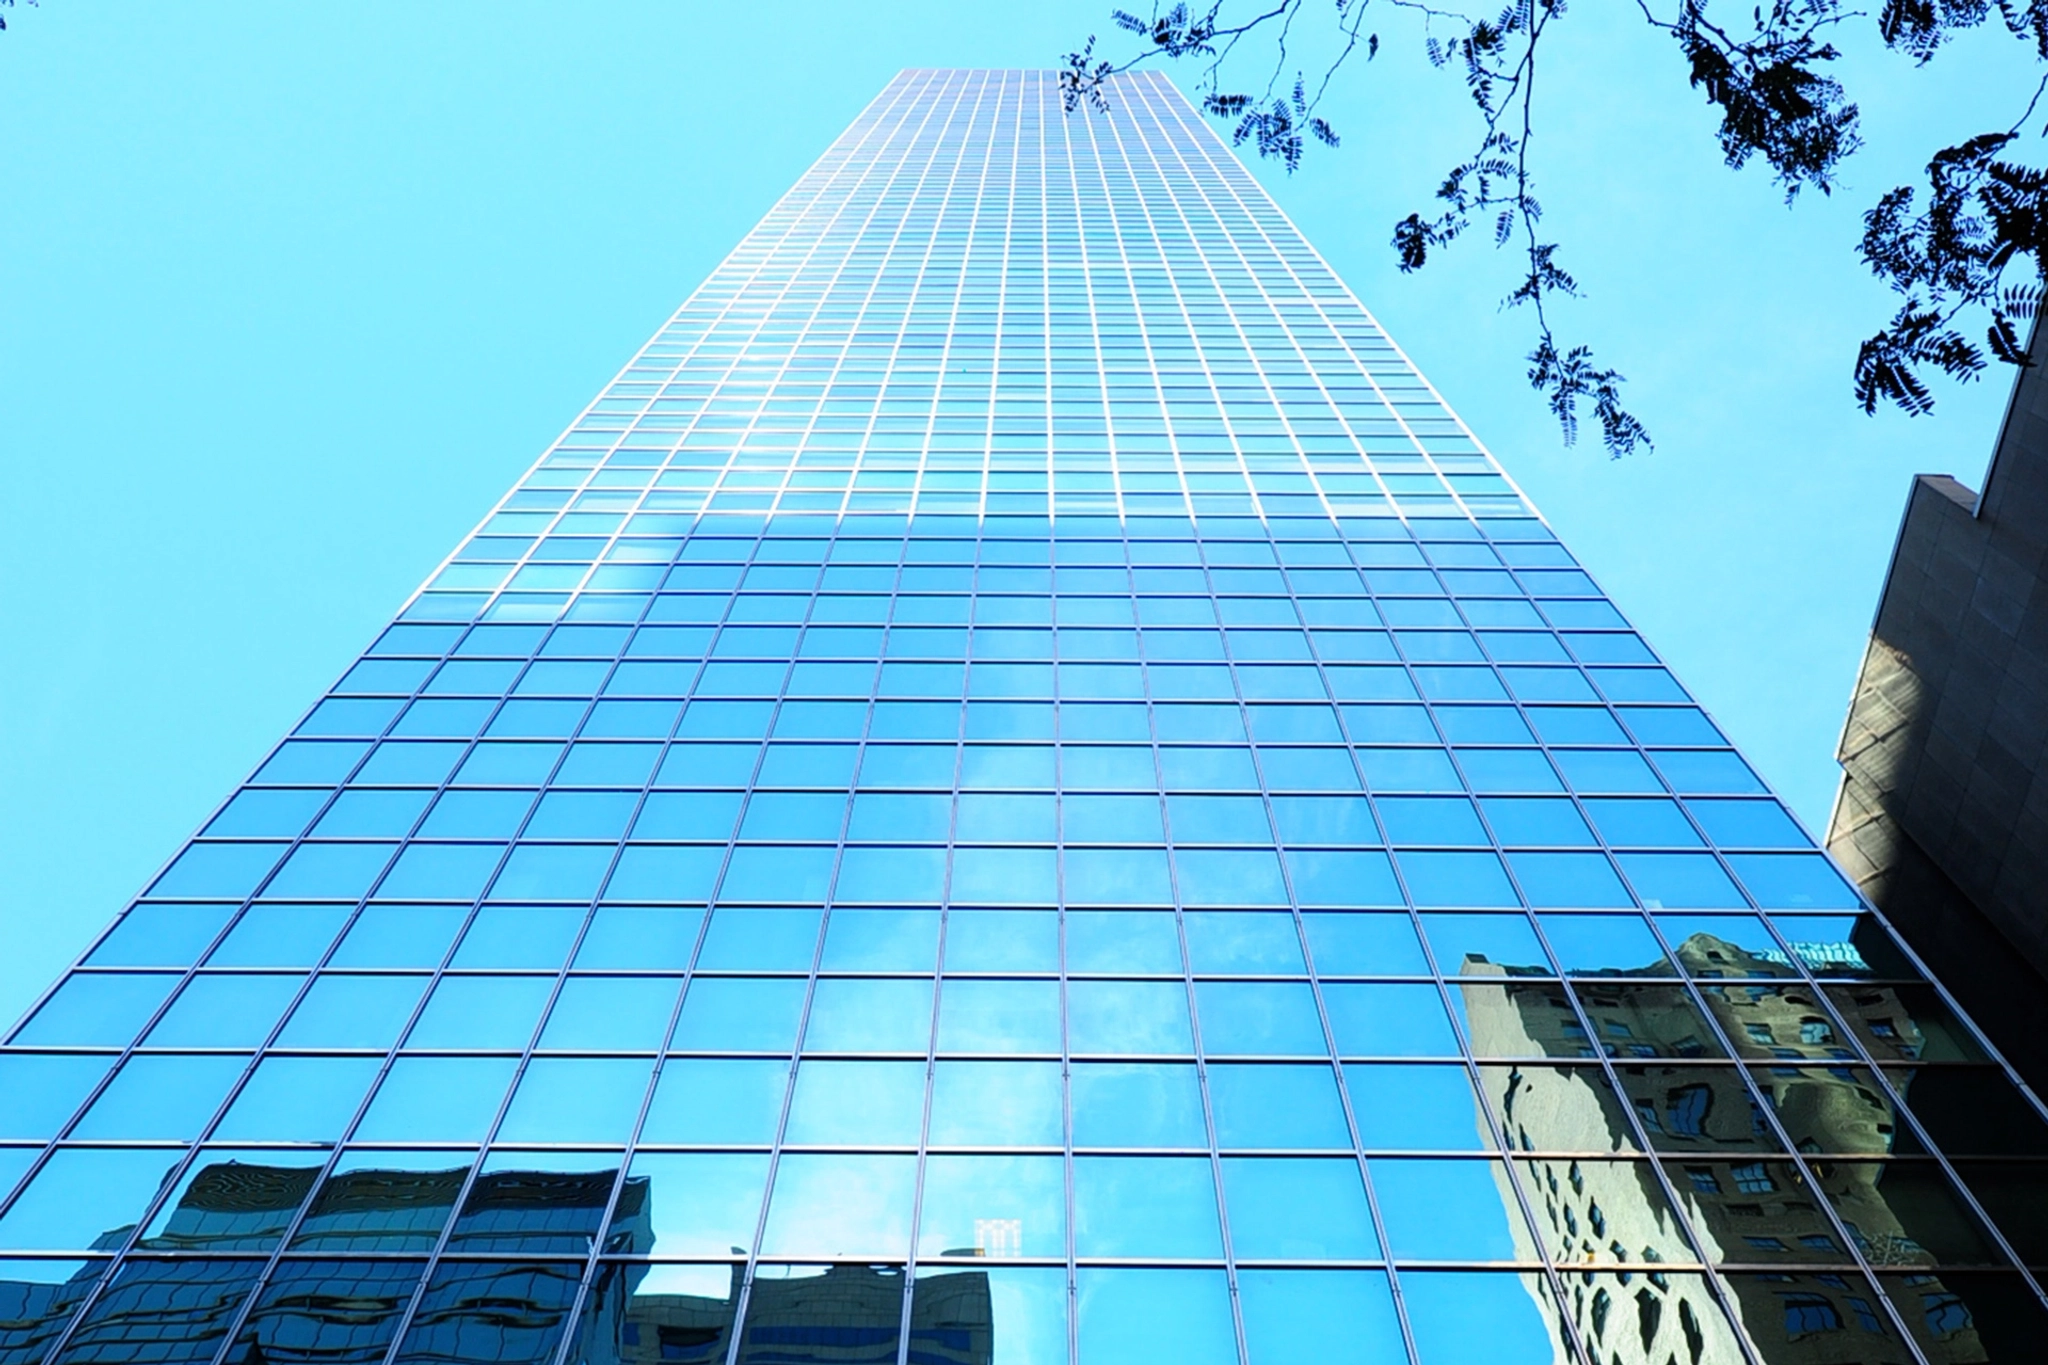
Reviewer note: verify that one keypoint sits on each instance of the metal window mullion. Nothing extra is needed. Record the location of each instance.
(1554, 1281)
(334, 1153)
(1323, 1019)
(953, 799)
(593, 1265)
(811, 982)
(593, 1261)
(1545, 1267)
(1224, 295)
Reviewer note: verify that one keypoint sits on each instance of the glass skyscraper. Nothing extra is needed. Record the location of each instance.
(1017, 790)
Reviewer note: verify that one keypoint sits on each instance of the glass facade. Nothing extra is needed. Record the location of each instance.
(1018, 790)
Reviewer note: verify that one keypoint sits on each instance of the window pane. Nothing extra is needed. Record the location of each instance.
(1145, 1206)
(1178, 1315)
(690, 1204)
(1333, 1317)
(82, 1194)
(833, 1205)
(993, 1206)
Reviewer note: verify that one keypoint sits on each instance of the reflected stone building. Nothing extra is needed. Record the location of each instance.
(1780, 1231)
(1017, 790)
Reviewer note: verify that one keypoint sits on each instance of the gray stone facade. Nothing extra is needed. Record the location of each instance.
(1942, 817)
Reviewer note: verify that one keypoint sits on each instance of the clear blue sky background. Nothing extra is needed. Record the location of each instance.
(289, 294)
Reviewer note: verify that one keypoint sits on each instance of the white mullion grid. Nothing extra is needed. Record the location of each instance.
(1198, 141)
(974, 229)
(1711, 1277)
(1519, 706)
(725, 274)
(1237, 325)
(773, 257)
(1138, 312)
(1187, 963)
(913, 103)
(869, 172)
(1087, 274)
(872, 170)
(979, 90)
(1002, 281)
(730, 275)
(1551, 1277)
(927, 105)
(1151, 156)
(887, 255)
(1037, 102)
(1171, 107)
(945, 197)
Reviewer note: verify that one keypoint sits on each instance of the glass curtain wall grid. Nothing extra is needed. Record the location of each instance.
(1016, 790)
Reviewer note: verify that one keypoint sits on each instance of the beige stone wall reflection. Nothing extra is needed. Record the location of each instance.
(1600, 1208)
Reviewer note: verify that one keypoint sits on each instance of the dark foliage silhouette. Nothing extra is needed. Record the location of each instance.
(1967, 250)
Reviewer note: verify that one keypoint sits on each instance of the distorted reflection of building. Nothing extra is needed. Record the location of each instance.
(167, 1304)
(796, 1315)
(1741, 1201)
(339, 1310)
(34, 1312)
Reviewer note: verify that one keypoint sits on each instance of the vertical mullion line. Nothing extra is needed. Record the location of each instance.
(594, 1264)
(1517, 1159)
(1040, 94)
(1900, 1106)
(820, 184)
(289, 846)
(1716, 1287)
(241, 1316)
(977, 83)
(1060, 854)
(1170, 196)
(446, 1235)
(1516, 702)
(261, 1051)
(1319, 379)
(1167, 272)
(1265, 796)
(1551, 1276)
(549, 452)
(1813, 983)
(916, 86)
(723, 273)
(583, 1286)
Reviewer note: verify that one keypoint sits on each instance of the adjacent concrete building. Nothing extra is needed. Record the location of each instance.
(1943, 812)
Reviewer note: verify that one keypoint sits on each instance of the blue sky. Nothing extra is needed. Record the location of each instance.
(289, 294)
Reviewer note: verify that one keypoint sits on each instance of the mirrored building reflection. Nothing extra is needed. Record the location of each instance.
(1728, 1123)
(1017, 789)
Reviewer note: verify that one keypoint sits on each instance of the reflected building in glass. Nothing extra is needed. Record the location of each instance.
(1016, 790)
